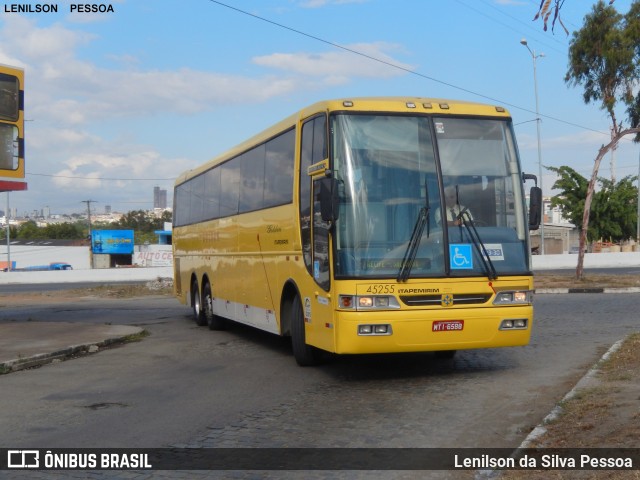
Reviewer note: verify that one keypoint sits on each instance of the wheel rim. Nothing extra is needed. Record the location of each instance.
(196, 301)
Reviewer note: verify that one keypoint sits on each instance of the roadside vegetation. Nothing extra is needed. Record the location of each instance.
(143, 223)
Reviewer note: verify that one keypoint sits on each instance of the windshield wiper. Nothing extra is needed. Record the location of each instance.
(470, 225)
(414, 242)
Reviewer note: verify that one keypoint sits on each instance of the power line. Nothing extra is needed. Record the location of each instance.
(404, 69)
(484, 14)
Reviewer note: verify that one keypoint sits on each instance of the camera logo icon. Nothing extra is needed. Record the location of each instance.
(23, 459)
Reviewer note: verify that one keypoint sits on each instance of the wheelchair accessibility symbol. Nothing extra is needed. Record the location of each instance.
(460, 257)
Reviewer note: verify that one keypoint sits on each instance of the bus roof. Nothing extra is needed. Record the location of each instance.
(357, 104)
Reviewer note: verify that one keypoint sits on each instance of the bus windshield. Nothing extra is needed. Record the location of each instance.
(422, 184)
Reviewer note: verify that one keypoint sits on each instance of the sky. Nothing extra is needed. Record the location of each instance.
(119, 102)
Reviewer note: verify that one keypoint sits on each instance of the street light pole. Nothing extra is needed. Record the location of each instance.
(535, 86)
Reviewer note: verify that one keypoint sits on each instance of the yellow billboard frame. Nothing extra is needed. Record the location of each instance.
(17, 121)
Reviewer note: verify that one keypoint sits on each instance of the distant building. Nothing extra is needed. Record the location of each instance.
(107, 209)
(159, 198)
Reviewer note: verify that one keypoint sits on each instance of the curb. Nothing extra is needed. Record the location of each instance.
(40, 359)
(587, 290)
(587, 380)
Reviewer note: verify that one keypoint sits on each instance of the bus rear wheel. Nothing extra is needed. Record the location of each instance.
(305, 354)
(214, 321)
(196, 303)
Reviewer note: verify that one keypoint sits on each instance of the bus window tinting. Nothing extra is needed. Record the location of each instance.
(259, 178)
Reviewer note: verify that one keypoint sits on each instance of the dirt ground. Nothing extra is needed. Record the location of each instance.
(568, 280)
(605, 414)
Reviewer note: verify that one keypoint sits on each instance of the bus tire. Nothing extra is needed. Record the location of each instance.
(196, 303)
(214, 321)
(305, 355)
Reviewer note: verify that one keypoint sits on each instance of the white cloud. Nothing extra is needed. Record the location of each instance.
(82, 112)
(21, 36)
(339, 66)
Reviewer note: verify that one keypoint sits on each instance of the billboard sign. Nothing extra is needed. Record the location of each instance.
(119, 242)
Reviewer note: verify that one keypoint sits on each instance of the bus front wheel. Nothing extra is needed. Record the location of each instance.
(305, 354)
(196, 303)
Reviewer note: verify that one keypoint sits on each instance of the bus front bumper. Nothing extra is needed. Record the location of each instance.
(419, 330)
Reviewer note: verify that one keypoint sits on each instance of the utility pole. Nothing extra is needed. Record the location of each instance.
(535, 57)
(89, 202)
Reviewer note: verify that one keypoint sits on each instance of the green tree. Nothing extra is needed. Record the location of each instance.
(614, 210)
(573, 191)
(29, 231)
(66, 230)
(603, 59)
(613, 213)
(144, 224)
(13, 232)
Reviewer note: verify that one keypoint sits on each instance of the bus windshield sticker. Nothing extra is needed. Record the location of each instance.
(323, 300)
(316, 269)
(439, 127)
(460, 257)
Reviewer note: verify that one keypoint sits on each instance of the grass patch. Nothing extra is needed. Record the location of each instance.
(136, 337)
(568, 280)
(125, 290)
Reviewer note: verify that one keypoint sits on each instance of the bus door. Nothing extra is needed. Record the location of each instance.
(315, 287)
(316, 297)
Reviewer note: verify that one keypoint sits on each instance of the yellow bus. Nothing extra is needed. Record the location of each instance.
(11, 129)
(364, 225)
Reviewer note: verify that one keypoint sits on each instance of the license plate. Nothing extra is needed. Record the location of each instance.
(447, 325)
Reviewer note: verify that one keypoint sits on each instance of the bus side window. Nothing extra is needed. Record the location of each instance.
(313, 150)
(320, 241)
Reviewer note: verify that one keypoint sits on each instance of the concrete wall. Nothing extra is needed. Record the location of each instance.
(78, 257)
(153, 256)
(591, 260)
(29, 256)
(103, 275)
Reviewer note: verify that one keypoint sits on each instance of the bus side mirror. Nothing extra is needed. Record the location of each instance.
(328, 199)
(535, 208)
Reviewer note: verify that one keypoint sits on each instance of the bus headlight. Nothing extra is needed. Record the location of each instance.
(517, 297)
(368, 302)
(513, 324)
(377, 329)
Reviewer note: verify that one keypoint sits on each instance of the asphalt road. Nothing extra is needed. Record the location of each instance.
(185, 385)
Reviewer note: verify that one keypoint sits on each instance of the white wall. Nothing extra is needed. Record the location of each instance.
(591, 260)
(29, 256)
(78, 257)
(153, 256)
